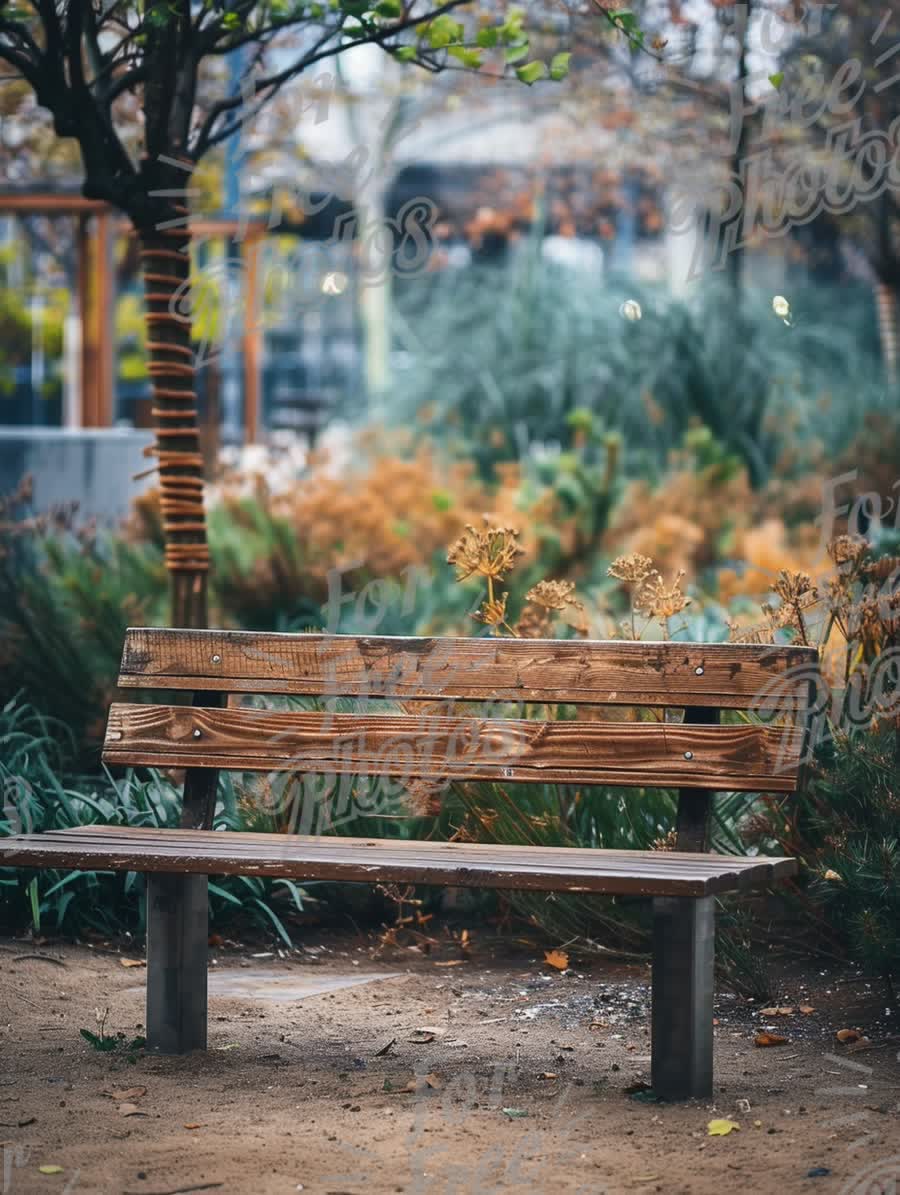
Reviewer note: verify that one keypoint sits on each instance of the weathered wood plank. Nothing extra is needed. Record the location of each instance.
(727, 675)
(648, 873)
(746, 757)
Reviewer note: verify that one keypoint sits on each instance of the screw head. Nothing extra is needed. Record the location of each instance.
(698, 671)
(687, 754)
(217, 659)
(197, 733)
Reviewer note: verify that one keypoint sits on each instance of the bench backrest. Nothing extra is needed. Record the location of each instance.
(698, 756)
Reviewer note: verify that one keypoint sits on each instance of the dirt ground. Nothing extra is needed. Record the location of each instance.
(523, 1082)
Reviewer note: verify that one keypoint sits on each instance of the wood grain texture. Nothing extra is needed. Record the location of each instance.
(726, 675)
(734, 758)
(548, 869)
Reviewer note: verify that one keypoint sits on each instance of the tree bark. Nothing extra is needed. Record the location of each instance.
(165, 261)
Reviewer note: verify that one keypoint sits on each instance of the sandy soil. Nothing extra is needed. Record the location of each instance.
(529, 1071)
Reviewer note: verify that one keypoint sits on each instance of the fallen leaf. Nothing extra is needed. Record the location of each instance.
(123, 1095)
(599, 1025)
(776, 1012)
(421, 1037)
(547, 1075)
(454, 962)
(384, 1049)
(557, 958)
(721, 1128)
(132, 962)
(195, 1126)
(514, 1113)
(232, 1045)
(769, 1039)
(215, 940)
(50, 1169)
(130, 1110)
(848, 1035)
(456, 1044)
(806, 1009)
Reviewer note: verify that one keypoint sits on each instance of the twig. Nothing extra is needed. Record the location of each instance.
(43, 958)
(177, 1190)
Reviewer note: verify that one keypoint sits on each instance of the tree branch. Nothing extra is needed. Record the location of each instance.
(273, 83)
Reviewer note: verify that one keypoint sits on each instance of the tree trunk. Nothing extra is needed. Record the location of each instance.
(165, 259)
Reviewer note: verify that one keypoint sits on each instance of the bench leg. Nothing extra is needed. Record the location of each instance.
(682, 1017)
(177, 947)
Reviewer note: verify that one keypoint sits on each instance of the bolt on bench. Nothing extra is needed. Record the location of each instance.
(698, 756)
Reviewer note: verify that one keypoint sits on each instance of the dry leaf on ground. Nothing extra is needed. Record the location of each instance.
(848, 1035)
(769, 1039)
(721, 1128)
(132, 962)
(557, 958)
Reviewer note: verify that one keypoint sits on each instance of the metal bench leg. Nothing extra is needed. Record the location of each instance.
(682, 1019)
(177, 938)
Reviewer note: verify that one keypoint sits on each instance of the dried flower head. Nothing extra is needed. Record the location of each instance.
(669, 842)
(632, 569)
(792, 587)
(656, 599)
(490, 552)
(847, 549)
(492, 611)
(554, 595)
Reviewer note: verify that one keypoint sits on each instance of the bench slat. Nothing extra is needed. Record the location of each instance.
(548, 869)
(735, 758)
(725, 675)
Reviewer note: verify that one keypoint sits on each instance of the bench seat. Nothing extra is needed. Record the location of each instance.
(368, 860)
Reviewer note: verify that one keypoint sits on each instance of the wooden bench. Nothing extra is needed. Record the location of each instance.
(698, 757)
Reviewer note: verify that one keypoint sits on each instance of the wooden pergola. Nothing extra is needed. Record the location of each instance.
(97, 224)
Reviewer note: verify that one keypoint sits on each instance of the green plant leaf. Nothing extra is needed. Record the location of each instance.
(531, 72)
(517, 53)
(443, 31)
(559, 66)
(389, 8)
(487, 38)
(470, 58)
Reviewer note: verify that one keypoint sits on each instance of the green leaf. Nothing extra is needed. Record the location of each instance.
(471, 58)
(514, 1113)
(531, 72)
(443, 31)
(389, 8)
(511, 29)
(777, 79)
(559, 66)
(517, 53)
(231, 20)
(487, 38)
(405, 54)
